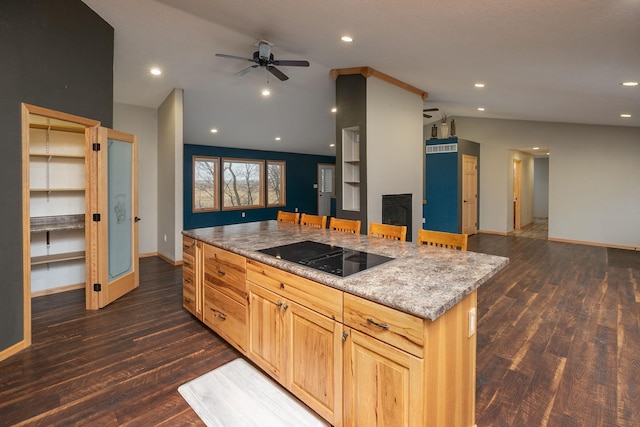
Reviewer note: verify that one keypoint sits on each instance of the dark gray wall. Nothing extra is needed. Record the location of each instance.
(55, 54)
(351, 102)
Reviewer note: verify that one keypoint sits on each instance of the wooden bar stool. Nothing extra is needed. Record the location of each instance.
(288, 217)
(388, 231)
(442, 239)
(314, 221)
(346, 225)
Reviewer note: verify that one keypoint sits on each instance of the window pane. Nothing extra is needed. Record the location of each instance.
(205, 184)
(243, 183)
(276, 183)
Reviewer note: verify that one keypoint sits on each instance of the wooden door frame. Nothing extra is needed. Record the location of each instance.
(462, 192)
(90, 125)
(517, 193)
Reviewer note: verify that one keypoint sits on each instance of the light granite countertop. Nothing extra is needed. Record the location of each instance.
(421, 280)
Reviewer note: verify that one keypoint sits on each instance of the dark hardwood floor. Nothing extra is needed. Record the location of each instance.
(558, 345)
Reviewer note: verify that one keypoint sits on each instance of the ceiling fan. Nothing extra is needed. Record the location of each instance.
(426, 110)
(263, 58)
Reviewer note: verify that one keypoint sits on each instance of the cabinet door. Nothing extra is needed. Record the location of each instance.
(315, 360)
(382, 384)
(266, 345)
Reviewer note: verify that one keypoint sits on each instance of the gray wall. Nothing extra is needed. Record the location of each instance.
(593, 175)
(58, 55)
(541, 187)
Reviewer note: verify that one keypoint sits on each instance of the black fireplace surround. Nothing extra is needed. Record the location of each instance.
(396, 210)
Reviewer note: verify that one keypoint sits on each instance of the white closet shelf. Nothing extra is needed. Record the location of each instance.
(48, 259)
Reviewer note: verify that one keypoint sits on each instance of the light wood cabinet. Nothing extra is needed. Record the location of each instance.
(297, 343)
(353, 361)
(224, 294)
(382, 384)
(191, 279)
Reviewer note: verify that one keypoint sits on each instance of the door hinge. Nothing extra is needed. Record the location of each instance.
(97, 287)
(96, 217)
(95, 146)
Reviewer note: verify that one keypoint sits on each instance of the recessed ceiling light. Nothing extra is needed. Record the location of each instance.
(214, 130)
(480, 108)
(266, 92)
(629, 83)
(536, 148)
(479, 85)
(277, 138)
(334, 109)
(626, 116)
(332, 145)
(346, 39)
(547, 154)
(155, 71)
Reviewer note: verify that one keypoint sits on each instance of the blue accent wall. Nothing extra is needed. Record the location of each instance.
(301, 175)
(441, 188)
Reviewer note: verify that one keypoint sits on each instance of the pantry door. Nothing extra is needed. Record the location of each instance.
(116, 218)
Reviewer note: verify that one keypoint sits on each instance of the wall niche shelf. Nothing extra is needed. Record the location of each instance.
(351, 168)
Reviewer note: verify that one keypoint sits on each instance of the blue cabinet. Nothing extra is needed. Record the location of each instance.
(443, 187)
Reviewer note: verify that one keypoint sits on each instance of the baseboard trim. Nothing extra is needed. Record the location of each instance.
(499, 233)
(604, 245)
(10, 351)
(57, 290)
(169, 260)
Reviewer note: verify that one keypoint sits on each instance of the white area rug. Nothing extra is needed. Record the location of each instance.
(238, 394)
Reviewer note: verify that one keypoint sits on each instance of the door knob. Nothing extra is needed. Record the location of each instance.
(136, 219)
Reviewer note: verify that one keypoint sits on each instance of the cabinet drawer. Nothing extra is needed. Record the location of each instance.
(226, 317)
(189, 299)
(188, 245)
(394, 327)
(226, 272)
(188, 262)
(188, 281)
(318, 297)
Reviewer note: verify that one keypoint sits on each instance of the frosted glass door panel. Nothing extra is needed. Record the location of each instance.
(120, 208)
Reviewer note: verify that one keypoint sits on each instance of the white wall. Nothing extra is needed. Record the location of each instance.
(169, 176)
(143, 122)
(594, 195)
(394, 148)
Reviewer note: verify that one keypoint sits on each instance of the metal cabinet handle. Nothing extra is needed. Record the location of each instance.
(344, 336)
(379, 325)
(279, 304)
(285, 306)
(221, 273)
(187, 281)
(222, 316)
(187, 300)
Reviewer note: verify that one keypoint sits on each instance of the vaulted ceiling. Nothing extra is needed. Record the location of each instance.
(544, 60)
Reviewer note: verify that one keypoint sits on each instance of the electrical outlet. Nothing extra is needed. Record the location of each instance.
(243, 215)
(424, 220)
(165, 237)
(296, 210)
(472, 322)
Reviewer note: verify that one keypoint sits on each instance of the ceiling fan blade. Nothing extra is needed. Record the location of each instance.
(430, 109)
(279, 74)
(222, 55)
(427, 116)
(291, 63)
(245, 70)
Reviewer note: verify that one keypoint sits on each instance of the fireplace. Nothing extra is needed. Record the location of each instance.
(396, 210)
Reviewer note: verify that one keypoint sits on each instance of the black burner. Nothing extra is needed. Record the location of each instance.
(330, 259)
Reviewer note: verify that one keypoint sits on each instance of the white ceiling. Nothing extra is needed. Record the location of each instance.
(543, 60)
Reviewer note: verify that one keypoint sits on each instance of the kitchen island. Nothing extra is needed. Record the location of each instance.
(391, 345)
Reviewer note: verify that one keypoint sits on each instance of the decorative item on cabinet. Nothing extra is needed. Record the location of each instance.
(444, 126)
(434, 131)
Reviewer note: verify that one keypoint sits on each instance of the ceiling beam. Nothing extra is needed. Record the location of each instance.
(371, 72)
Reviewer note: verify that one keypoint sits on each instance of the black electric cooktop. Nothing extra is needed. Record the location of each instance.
(330, 259)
